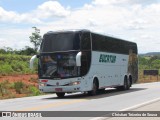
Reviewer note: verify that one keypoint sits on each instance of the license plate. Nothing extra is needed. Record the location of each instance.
(58, 89)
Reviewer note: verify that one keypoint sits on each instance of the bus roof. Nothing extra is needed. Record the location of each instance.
(86, 30)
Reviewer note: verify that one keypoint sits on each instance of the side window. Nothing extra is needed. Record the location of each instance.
(85, 41)
(98, 42)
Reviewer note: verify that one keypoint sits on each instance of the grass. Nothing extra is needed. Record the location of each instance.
(18, 86)
(17, 89)
(11, 64)
(149, 78)
(34, 91)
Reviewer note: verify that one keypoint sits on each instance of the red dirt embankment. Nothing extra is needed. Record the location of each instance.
(10, 92)
(28, 79)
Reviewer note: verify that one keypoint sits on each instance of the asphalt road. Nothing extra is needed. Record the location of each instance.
(111, 100)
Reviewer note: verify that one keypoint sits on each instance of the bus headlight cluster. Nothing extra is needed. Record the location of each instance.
(75, 83)
(42, 84)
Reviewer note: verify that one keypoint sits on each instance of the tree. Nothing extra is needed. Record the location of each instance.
(2, 51)
(156, 64)
(26, 51)
(36, 38)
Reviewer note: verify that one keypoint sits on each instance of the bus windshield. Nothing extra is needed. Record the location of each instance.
(58, 65)
(53, 42)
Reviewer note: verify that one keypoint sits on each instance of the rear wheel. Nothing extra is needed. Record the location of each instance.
(126, 85)
(130, 80)
(60, 95)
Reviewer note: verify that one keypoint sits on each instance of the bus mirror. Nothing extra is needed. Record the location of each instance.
(78, 59)
(32, 61)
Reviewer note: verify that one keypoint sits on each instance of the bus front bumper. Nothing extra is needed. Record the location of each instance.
(55, 89)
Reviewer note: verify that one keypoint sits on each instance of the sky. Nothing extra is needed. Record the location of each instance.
(132, 20)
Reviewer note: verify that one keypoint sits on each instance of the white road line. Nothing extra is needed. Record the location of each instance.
(129, 108)
(140, 105)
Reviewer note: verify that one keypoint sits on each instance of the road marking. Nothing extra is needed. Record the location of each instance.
(129, 109)
(140, 105)
(41, 107)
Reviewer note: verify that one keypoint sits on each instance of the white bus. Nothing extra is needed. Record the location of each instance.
(84, 61)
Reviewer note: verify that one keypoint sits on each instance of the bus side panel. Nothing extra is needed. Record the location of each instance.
(110, 68)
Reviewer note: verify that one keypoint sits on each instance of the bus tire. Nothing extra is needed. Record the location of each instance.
(126, 85)
(130, 80)
(94, 88)
(60, 95)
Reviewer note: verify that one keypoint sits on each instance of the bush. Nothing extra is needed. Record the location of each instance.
(15, 64)
(4, 87)
(18, 86)
(34, 90)
(5, 69)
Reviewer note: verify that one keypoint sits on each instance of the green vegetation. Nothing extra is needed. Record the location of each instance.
(25, 51)
(34, 91)
(4, 87)
(36, 38)
(148, 63)
(10, 90)
(11, 64)
(16, 62)
(152, 62)
(18, 86)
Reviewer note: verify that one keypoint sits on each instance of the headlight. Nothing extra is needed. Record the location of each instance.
(75, 83)
(42, 84)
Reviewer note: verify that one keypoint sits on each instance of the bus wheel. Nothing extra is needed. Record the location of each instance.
(130, 81)
(126, 85)
(60, 95)
(94, 88)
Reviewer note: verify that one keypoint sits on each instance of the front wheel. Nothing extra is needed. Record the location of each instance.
(94, 88)
(60, 95)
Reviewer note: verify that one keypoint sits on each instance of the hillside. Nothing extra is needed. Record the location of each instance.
(151, 54)
(11, 64)
(16, 79)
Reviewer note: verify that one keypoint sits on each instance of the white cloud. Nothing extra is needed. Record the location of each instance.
(108, 2)
(15, 38)
(46, 11)
(123, 2)
(13, 17)
(51, 9)
(7, 15)
(135, 20)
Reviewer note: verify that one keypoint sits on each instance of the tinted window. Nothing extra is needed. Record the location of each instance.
(98, 42)
(110, 44)
(85, 41)
(60, 42)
